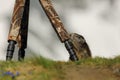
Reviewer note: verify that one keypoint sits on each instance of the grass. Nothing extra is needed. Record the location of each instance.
(39, 68)
(46, 63)
(99, 61)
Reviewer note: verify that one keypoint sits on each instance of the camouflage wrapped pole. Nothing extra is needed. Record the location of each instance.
(58, 27)
(74, 43)
(19, 29)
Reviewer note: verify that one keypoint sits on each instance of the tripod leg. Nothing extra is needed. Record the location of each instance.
(24, 32)
(58, 27)
(15, 27)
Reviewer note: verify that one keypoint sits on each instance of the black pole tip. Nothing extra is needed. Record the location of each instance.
(10, 50)
(69, 47)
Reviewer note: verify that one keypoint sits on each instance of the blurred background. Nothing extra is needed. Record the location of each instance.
(97, 20)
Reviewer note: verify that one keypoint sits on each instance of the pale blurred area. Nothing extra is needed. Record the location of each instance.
(97, 20)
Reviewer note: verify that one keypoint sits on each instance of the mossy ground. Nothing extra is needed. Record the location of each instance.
(39, 68)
